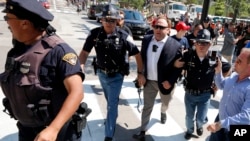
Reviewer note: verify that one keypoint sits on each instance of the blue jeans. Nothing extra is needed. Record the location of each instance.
(112, 89)
(200, 103)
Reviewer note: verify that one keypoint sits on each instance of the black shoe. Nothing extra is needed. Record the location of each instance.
(187, 136)
(199, 131)
(163, 118)
(140, 136)
(108, 139)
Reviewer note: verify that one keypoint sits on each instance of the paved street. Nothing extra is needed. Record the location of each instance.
(74, 28)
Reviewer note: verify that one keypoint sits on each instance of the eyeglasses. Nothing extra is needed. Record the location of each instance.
(6, 18)
(202, 43)
(110, 21)
(159, 27)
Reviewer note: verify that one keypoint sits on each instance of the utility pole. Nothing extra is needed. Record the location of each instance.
(205, 8)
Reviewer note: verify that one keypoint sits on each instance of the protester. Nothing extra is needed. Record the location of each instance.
(235, 101)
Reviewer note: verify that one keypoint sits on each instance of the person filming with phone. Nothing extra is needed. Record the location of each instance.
(198, 83)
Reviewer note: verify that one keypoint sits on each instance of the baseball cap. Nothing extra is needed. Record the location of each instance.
(207, 19)
(182, 26)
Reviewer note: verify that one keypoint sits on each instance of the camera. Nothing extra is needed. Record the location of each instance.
(155, 47)
(213, 54)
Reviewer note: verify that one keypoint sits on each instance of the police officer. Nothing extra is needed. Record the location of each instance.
(111, 45)
(42, 80)
(206, 25)
(198, 83)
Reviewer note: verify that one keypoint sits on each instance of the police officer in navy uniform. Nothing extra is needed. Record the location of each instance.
(112, 45)
(42, 80)
(198, 83)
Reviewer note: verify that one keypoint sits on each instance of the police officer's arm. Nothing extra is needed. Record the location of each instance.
(83, 57)
(89, 43)
(73, 84)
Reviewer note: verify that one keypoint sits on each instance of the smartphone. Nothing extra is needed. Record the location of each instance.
(213, 57)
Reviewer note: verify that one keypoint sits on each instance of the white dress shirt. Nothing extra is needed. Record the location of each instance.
(153, 57)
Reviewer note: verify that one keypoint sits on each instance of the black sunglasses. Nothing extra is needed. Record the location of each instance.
(159, 27)
(202, 43)
(6, 18)
(110, 20)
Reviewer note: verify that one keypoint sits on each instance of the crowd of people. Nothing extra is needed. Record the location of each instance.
(43, 75)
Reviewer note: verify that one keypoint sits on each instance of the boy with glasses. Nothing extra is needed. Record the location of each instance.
(120, 23)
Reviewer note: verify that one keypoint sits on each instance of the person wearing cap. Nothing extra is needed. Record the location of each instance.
(120, 23)
(206, 25)
(181, 29)
(235, 102)
(112, 46)
(198, 83)
(159, 52)
(42, 80)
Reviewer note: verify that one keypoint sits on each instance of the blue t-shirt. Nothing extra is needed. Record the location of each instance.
(183, 41)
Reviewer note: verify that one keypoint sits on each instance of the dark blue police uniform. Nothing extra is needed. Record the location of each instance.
(112, 52)
(35, 111)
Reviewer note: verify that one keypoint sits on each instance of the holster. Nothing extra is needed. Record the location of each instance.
(79, 119)
(7, 108)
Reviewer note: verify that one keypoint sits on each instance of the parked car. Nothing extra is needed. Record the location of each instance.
(135, 21)
(93, 10)
(45, 3)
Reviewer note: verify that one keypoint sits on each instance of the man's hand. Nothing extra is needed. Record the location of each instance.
(141, 80)
(47, 134)
(218, 68)
(166, 85)
(214, 127)
(178, 63)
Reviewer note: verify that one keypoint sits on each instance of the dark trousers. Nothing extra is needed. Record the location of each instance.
(221, 135)
(67, 133)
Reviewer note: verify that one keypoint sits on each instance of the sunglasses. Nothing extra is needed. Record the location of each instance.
(159, 27)
(202, 43)
(110, 21)
(6, 18)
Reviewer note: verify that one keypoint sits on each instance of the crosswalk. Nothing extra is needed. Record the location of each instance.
(173, 130)
(128, 120)
(61, 6)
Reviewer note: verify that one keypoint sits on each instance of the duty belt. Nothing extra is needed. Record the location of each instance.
(197, 92)
(108, 71)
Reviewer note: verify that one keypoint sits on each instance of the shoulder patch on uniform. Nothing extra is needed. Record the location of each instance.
(71, 58)
(130, 39)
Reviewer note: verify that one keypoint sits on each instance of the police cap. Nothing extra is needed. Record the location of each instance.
(28, 9)
(203, 36)
(206, 20)
(110, 11)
